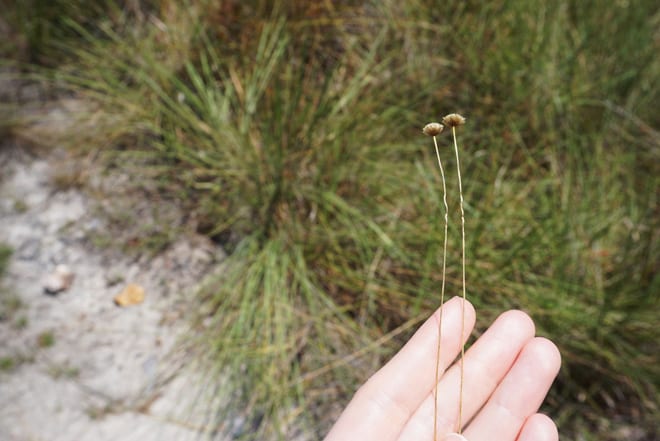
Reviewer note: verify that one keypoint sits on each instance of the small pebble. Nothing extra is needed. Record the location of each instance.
(59, 280)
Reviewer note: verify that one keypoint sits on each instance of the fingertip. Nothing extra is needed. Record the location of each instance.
(457, 300)
(539, 427)
(518, 321)
(454, 305)
(470, 312)
(547, 353)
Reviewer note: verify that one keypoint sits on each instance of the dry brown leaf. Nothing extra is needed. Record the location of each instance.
(132, 294)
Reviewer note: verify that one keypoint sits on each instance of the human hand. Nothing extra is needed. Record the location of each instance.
(507, 374)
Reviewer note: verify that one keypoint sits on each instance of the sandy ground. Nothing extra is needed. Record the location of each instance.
(83, 368)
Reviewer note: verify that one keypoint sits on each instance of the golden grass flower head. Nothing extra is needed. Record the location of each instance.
(453, 120)
(432, 129)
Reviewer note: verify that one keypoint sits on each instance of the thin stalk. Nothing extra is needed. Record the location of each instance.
(460, 192)
(442, 295)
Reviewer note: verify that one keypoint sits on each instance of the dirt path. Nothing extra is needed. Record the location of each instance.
(74, 366)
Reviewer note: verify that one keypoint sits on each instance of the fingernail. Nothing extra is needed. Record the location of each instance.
(454, 437)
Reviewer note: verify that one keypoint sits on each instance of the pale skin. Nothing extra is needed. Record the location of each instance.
(508, 372)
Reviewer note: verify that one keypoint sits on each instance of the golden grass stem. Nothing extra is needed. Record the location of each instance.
(460, 192)
(442, 294)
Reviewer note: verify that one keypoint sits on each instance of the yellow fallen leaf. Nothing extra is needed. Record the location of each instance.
(132, 294)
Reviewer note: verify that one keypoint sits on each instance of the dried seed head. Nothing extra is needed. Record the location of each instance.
(453, 120)
(432, 129)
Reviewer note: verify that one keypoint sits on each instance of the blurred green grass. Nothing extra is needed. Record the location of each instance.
(291, 131)
(5, 253)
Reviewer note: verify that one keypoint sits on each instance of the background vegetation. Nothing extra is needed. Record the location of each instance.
(291, 131)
